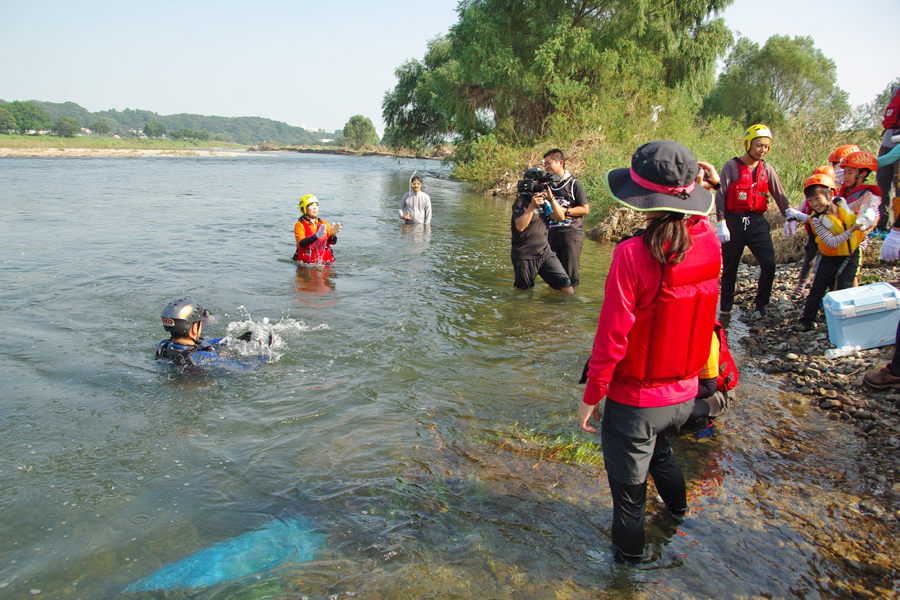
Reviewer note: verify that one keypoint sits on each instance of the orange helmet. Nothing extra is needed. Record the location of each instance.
(842, 151)
(861, 160)
(820, 179)
(826, 170)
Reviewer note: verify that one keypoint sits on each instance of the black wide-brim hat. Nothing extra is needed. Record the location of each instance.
(671, 168)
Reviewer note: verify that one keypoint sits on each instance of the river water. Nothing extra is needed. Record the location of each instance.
(414, 413)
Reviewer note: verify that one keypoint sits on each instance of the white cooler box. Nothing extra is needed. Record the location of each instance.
(864, 316)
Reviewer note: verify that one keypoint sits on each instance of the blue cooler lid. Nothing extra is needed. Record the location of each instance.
(865, 299)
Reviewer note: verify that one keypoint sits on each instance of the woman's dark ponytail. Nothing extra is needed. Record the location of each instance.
(667, 238)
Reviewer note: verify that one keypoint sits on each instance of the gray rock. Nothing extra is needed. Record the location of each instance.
(830, 404)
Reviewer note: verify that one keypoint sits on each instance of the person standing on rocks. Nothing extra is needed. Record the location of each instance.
(741, 203)
(838, 235)
(889, 375)
(653, 334)
(887, 174)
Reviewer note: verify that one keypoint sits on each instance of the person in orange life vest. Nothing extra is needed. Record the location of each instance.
(838, 235)
(314, 236)
(741, 203)
(887, 174)
(653, 334)
(811, 248)
(835, 159)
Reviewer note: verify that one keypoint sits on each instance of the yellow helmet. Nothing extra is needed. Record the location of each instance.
(306, 201)
(756, 131)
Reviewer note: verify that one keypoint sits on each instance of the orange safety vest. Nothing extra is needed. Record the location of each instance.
(320, 250)
(838, 224)
(669, 340)
(746, 195)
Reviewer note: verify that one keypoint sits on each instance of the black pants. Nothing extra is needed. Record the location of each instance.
(568, 250)
(810, 251)
(834, 272)
(886, 178)
(755, 234)
(638, 441)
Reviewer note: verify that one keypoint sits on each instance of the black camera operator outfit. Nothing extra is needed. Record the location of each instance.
(567, 237)
(531, 253)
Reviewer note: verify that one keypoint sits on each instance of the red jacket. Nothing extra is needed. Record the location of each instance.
(656, 322)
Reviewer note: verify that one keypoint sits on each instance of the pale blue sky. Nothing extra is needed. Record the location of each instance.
(318, 63)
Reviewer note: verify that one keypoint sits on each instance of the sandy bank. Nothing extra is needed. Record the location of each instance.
(116, 152)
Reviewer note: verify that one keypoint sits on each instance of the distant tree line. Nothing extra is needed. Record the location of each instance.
(242, 130)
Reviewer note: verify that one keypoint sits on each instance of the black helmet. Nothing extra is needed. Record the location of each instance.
(179, 315)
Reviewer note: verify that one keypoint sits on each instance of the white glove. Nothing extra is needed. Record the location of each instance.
(722, 232)
(890, 247)
(323, 230)
(790, 228)
(792, 214)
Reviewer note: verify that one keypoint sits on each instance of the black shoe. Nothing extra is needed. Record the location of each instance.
(802, 327)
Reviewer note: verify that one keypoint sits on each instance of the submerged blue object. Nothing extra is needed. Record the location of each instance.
(253, 552)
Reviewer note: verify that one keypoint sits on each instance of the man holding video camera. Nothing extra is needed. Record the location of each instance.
(532, 211)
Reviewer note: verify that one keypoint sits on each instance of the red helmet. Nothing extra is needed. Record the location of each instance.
(842, 151)
(826, 170)
(819, 179)
(861, 160)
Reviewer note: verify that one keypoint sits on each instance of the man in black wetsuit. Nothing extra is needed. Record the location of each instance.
(183, 319)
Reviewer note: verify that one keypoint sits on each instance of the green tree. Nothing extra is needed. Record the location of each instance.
(359, 132)
(67, 127)
(154, 129)
(28, 116)
(100, 127)
(787, 78)
(7, 122)
(507, 66)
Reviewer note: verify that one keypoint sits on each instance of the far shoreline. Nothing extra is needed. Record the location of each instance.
(36, 152)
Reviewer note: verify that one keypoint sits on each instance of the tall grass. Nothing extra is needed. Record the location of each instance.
(600, 136)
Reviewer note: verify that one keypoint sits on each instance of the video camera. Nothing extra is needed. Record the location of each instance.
(536, 180)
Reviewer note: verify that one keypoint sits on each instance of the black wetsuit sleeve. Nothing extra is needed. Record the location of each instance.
(307, 241)
(332, 240)
(707, 388)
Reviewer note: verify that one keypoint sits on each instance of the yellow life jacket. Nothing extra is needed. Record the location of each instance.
(838, 224)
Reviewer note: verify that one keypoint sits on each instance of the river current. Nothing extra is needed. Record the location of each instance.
(410, 417)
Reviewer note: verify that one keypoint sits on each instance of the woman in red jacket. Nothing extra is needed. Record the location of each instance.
(654, 332)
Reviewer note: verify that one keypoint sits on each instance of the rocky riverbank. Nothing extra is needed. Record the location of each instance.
(832, 385)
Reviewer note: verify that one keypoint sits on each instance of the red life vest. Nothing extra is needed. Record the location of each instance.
(746, 195)
(728, 373)
(858, 192)
(320, 250)
(891, 118)
(669, 340)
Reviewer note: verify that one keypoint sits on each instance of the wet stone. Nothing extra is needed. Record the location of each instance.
(830, 405)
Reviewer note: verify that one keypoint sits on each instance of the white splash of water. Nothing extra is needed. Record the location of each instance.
(267, 338)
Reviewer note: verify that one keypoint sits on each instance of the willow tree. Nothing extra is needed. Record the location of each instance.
(785, 79)
(507, 66)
